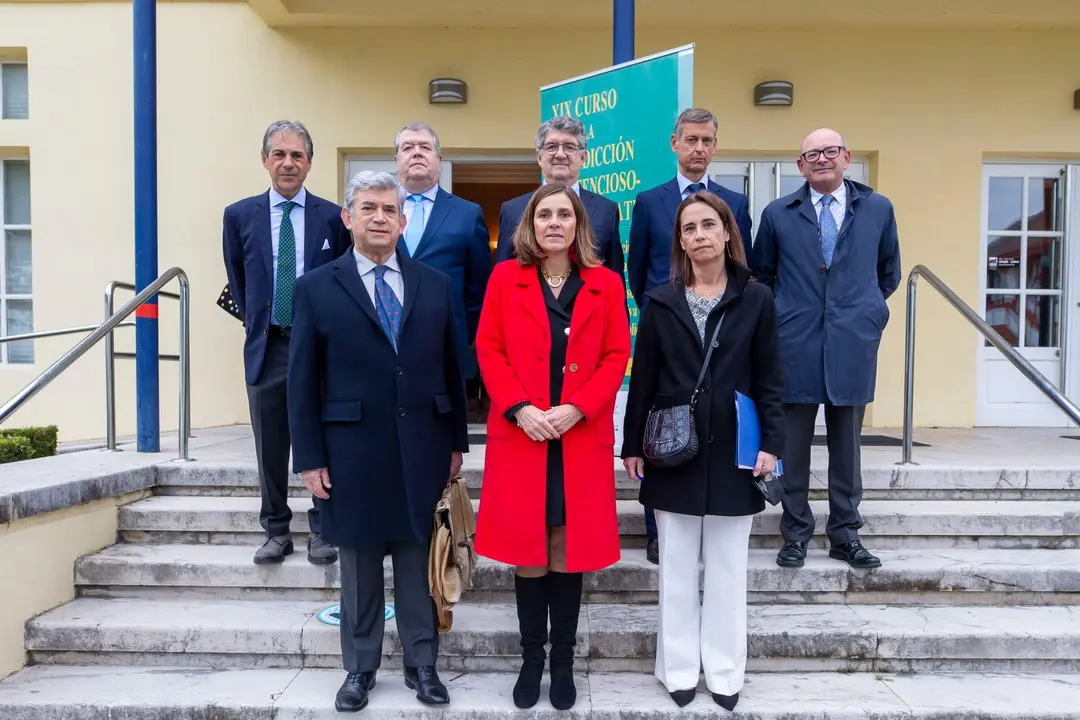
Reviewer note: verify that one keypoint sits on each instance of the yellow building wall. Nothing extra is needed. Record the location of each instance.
(926, 105)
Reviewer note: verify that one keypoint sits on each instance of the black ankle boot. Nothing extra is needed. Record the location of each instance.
(564, 606)
(532, 610)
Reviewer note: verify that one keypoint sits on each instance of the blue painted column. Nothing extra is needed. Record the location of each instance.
(146, 226)
(622, 41)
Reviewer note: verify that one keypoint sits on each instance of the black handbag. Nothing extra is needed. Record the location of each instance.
(770, 488)
(671, 433)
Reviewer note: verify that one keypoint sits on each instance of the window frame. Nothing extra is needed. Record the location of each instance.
(26, 65)
(5, 296)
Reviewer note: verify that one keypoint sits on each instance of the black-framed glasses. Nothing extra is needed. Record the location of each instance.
(831, 153)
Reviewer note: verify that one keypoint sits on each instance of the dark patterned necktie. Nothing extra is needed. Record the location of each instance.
(387, 306)
(286, 267)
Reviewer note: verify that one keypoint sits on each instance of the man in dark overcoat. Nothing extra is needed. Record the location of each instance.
(831, 254)
(377, 413)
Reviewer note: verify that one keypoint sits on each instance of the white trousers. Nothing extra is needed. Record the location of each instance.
(709, 633)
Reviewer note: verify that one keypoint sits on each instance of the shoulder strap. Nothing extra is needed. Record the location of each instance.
(708, 356)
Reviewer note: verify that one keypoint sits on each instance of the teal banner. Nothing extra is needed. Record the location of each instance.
(629, 112)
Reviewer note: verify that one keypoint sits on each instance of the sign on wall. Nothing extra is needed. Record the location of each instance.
(629, 111)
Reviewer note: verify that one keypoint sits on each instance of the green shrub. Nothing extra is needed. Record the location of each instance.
(14, 448)
(41, 440)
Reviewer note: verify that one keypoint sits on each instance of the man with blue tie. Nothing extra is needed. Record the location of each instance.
(445, 232)
(561, 145)
(652, 226)
(831, 253)
(268, 241)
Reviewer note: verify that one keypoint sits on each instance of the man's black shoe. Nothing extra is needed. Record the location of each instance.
(792, 555)
(429, 688)
(652, 551)
(352, 696)
(855, 555)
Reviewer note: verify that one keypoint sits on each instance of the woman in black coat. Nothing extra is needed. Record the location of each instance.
(705, 508)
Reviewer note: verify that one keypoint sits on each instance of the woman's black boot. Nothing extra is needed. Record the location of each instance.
(532, 609)
(564, 605)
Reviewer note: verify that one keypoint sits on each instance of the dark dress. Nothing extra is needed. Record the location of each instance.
(559, 311)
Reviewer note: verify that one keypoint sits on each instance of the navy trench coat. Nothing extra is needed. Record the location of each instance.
(831, 319)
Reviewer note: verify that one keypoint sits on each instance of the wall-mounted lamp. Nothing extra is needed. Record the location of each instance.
(448, 90)
(774, 92)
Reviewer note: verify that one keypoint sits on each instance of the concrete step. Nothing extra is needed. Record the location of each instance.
(888, 523)
(781, 638)
(885, 482)
(964, 576)
(104, 693)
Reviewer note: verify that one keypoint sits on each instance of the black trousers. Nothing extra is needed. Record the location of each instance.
(363, 601)
(270, 424)
(844, 427)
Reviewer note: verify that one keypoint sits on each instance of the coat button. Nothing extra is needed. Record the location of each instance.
(822, 268)
(398, 370)
(267, 303)
(566, 331)
(573, 367)
(704, 388)
(401, 412)
(710, 439)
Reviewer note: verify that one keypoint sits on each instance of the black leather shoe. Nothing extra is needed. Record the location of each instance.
(793, 554)
(683, 698)
(320, 552)
(352, 696)
(429, 688)
(855, 555)
(274, 550)
(728, 702)
(652, 551)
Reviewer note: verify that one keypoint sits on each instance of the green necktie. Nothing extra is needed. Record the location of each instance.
(286, 268)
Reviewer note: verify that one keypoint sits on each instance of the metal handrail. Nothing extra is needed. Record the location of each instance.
(110, 363)
(105, 329)
(55, 333)
(1019, 361)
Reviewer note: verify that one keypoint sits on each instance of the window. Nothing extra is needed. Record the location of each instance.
(16, 304)
(14, 91)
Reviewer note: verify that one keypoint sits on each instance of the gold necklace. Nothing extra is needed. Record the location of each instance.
(555, 280)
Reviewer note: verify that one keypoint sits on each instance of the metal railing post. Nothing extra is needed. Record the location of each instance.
(909, 369)
(110, 373)
(183, 431)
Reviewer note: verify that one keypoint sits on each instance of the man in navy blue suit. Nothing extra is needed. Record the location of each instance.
(561, 145)
(652, 226)
(377, 411)
(270, 240)
(445, 232)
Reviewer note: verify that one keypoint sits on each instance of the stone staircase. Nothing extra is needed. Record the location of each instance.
(975, 614)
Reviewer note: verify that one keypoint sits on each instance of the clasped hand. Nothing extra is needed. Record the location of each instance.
(552, 424)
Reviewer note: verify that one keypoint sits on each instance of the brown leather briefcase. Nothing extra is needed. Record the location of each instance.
(451, 560)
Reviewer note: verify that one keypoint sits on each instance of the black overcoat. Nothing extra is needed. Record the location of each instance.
(668, 355)
(383, 422)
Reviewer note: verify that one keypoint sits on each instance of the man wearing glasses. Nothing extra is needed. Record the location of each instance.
(560, 150)
(831, 254)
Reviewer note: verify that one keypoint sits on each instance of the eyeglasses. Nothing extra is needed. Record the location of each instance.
(830, 153)
(553, 148)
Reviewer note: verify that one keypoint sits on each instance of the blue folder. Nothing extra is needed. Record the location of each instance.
(748, 435)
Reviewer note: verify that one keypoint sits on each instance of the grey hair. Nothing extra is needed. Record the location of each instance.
(370, 180)
(288, 126)
(695, 116)
(562, 123)
(418, 127)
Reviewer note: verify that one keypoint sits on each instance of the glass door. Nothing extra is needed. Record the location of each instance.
(1022, 284)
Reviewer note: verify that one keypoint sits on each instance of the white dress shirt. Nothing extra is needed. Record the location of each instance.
(366, 268)
(838, 207)
(576, 187)
(297, 218)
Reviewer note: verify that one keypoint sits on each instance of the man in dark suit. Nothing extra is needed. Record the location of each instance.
(652, 226)
(270, 240)
(832, 246)
(561, 145)
(445, 232)
(377, 411)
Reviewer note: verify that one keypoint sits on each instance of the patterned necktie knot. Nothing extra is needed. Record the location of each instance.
(287, 206)
(826, 200)
(380, 271)
(695, 187)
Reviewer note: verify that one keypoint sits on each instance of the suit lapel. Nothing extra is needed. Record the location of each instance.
(347, 274)
(588, 301)
(410, 279)
(531, 296)
(439, 210)
(311, 230)
(672, 198)
(262, 225)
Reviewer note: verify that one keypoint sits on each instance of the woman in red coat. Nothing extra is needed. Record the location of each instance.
(553, 345)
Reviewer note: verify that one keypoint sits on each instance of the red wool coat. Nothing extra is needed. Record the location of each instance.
(513, 349)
